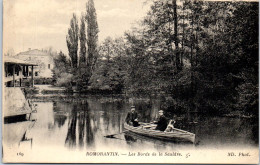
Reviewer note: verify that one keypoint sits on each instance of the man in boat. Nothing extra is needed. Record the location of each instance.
(162, 122)
(132, 117)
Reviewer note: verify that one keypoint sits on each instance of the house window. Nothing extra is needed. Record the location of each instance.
(36, 73)
(49, 66)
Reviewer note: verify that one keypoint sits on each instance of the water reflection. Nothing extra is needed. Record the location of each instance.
(82, 124)
(89, 132)
(71, 135)
(25, 139)
(60, 113)
(129, 138)
(80, 127)
(59, 119)
(90, 120)
(18, 134)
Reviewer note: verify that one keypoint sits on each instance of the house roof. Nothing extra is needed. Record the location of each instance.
(13, 60)
(15, 102)
(34, 52)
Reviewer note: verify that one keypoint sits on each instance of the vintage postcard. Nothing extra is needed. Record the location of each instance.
(130, 81)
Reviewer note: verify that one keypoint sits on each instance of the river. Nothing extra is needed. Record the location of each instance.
(82, 125)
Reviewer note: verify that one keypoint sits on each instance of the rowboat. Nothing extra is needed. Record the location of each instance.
(148, 130)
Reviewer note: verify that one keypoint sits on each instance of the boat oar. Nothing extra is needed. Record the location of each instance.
(113, 135)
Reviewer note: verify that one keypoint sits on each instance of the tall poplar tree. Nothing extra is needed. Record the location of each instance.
(92, 37)
(82, 72)
(83, 40)
(72, 41)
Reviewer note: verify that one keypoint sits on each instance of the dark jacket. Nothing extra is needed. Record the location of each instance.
(131, 118)
(162, 123)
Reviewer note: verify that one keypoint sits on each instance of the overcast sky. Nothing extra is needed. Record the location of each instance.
(38, 24)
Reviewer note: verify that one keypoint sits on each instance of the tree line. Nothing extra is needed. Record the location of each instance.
(194, 55)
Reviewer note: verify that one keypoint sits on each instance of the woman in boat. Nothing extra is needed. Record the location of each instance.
(162, 122)
(132, 117)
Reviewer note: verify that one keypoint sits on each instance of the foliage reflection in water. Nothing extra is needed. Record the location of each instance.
(83, 124)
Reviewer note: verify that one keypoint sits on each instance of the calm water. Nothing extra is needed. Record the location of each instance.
(82, 125)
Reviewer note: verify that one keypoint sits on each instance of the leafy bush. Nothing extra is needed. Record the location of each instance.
(65, 80)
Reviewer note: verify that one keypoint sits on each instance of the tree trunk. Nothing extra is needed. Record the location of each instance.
(191, 53)
(176, 40)
(182, 43)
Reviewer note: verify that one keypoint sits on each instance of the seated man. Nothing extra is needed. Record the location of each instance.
(162, 122)
(132, 117)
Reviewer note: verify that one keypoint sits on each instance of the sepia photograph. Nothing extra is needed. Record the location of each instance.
(130, 81)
